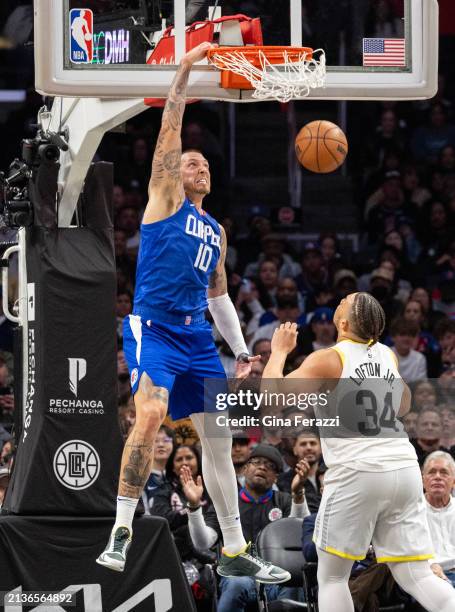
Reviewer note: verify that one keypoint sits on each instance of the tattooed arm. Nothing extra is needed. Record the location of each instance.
(165, 187)
(218, 280)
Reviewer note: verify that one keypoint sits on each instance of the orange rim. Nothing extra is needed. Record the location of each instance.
(274, 54)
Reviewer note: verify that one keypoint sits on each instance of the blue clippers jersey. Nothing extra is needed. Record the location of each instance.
(176, 258)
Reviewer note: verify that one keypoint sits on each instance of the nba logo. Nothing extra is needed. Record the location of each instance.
(81, 36)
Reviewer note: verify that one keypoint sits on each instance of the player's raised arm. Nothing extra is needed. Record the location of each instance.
(165, 187)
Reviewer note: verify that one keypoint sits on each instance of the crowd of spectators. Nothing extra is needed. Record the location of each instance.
(403, 164)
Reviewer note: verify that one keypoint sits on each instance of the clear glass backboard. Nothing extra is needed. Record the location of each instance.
(375, 49)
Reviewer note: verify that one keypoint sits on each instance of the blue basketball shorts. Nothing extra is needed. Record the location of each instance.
(177, 357)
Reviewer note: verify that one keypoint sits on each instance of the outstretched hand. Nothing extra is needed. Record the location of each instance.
(197, 54)
(193, 490)
(284, 339)
(243, 366)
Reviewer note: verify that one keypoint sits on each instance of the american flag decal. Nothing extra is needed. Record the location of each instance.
(384, 52)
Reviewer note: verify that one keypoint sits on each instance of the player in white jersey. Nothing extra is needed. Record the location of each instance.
(373, 488)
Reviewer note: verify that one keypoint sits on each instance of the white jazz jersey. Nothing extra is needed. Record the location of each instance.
(369, 395)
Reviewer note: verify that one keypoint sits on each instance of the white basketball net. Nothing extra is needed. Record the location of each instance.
(283, 82)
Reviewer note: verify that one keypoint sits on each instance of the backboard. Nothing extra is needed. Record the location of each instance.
(100, 48)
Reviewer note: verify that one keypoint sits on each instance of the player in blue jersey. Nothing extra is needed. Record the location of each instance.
(168, 343)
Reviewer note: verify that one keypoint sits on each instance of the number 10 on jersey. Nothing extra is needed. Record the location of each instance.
(204, 257)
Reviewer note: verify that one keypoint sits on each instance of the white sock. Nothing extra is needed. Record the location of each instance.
(126, 507)
(231, 528)
(220, 479)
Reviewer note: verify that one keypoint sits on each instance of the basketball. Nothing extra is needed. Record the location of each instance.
(321, 147)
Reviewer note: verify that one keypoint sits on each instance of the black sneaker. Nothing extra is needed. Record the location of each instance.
(247, 563)
(114, 556)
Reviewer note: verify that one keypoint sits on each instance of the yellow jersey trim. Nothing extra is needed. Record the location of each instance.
(404, 559)
(340, 353)
(343, 555)
(395, 358)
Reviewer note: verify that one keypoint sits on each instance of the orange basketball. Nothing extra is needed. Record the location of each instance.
(321, 146)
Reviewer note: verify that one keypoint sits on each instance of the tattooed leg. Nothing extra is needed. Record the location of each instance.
(137, 460)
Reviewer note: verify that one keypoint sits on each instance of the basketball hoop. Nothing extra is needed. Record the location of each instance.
(281, 73)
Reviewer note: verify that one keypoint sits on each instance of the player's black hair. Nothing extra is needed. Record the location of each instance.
(367, 318)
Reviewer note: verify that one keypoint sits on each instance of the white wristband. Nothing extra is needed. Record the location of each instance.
(226, 319)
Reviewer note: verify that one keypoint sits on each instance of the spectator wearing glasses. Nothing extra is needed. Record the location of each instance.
(260, 504)
(164, 445)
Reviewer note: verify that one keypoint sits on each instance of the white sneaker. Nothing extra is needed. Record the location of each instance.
(114, 556)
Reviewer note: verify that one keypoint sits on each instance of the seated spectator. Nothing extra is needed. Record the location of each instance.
(6, 394)
(445, 334)
(426, 343)
(387, 208)
(307, 449)
(123, 258)
(4, 482)
(448, 427)
(136, 171)
(123, 378)
(436, 233)
(268, 276)
(446, 159)
(286, 290)
(162, 450)
(389, 137)
(320, 333)
(286, 310)
(229, 226)
(7, 454)
(184, 502)
(446, 384)
(424, 395)
(240, 454)
(262, 347)
(410, 423)
(431, 316)
(382, 288)
(414, 192)
(344, 283)
(330, 249)
(128, 221)
(393, 260)
(123, 308)
(428, 433)
(249, 248)
(273, 249)
(118, 198)
(259, 504)
(438, 482)
(127, 417)
(313, 276)
(429, 139)
(251, 302)
(411, 364)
